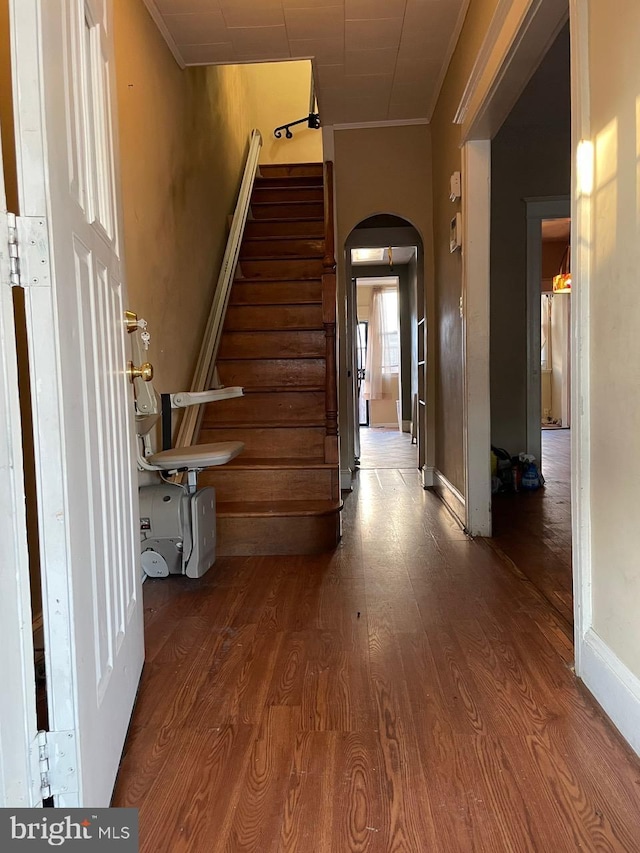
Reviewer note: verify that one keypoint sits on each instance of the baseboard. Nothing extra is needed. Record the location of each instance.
(449, 495)
(614, 686)
(346, 477)
(427, 477)
(391, 425)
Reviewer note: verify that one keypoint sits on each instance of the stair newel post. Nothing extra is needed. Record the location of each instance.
(329, 321)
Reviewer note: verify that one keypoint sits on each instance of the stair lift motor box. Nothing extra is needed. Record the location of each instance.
(177, 530)
(163, 510)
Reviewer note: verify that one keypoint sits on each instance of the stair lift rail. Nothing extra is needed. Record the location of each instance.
(205, 368)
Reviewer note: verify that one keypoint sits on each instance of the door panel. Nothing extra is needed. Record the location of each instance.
(83, 403)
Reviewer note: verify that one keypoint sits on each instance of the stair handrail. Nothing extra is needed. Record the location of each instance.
(312, 119)
(329, 321)
(205, 367)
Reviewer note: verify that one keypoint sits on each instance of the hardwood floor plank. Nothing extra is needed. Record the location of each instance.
(412, 692)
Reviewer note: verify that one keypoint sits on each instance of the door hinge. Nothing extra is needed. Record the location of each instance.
(28, 251)
(57, 765)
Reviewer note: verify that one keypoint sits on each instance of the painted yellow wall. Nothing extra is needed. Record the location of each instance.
(448, 267)
(614, 323)
(279, 93)
(384, 170)
(183, 140)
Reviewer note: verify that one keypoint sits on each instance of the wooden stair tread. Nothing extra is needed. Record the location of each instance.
(279, 424)
(278, 462)
(285, 221)
(266, 279)
(279, 238)
(286, 258)
(280, 389)
(266, 509)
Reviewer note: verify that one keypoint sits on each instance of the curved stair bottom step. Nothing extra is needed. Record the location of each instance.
(277, 535)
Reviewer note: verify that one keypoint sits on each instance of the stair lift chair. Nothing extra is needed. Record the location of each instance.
(177, 521)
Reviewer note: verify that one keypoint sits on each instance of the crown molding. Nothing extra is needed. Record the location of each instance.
(453, 43)
(166, 35)
(363, 125)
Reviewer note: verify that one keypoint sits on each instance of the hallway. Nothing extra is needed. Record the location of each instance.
(532, 530)
(407, 692)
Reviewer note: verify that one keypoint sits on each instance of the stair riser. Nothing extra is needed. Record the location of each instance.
(277, 536)
(296, 443)
(303, 248)
(284, 408)
(268, 485)
(291, 268)
(269, 373)
(288, 228)
(236, 345)
(288, 210)
(292, 169)
(294, 194)
(245, 317)
(275, 292)
(288, 181)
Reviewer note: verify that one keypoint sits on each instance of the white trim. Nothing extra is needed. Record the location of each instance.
(391, 425)
(166, 35)
(554, 207)
(17, 671)
(451, 497)
(482, 59)
(476, 214)
(614, 686)
(506, 63)
(346, 480)
(363, 125)
(581, 258)
(427, 475)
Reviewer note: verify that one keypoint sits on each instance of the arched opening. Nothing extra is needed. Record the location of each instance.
(385, 423)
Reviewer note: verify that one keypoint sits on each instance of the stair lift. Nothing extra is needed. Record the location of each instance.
(177, 521)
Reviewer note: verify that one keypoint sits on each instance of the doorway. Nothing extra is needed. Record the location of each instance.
(386, 340)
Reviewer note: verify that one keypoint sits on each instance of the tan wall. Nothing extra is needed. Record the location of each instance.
(183, 139)
(615, 320)
(382, 170)
(448, 267)
(279, 93)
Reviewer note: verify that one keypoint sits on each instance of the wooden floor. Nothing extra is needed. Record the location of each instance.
(407, 693)
(386, 448)
(532, 530)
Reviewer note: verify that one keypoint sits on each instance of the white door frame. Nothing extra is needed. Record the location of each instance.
(19, 770)
(474, 310)
(517, 39)
(557, 207)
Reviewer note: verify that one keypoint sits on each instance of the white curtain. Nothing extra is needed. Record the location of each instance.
(383, 343)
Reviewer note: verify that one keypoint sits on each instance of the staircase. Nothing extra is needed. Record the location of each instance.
(282, 495)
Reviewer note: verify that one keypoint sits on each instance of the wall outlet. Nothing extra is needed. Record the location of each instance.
(547, 413)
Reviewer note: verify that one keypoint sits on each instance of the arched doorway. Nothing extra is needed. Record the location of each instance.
(385, 253)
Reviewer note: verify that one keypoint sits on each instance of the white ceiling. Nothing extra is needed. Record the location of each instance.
(374, 60)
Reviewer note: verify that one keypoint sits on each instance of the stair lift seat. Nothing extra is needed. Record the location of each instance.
(196, 458)
(177, 521)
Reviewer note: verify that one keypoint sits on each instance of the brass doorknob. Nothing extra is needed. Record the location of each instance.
(144, 372)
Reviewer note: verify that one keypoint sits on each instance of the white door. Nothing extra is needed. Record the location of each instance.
(17, 674)
(71, 267)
